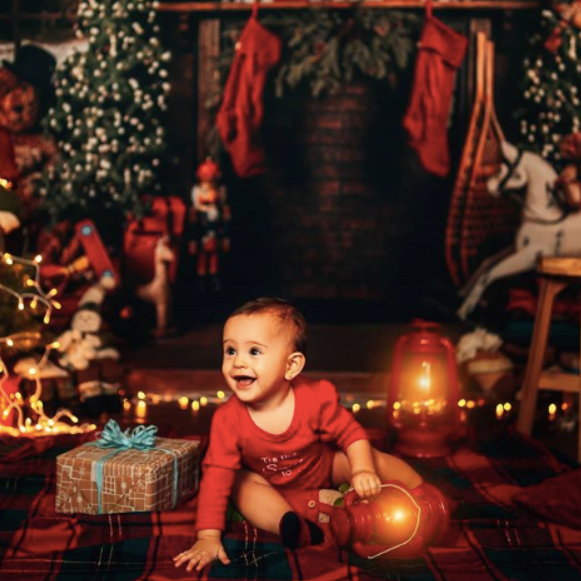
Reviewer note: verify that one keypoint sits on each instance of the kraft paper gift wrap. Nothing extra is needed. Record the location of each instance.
(126, 472)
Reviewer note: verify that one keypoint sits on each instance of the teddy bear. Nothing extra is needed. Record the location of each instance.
(85, 351)
(11, 211)
(25, 92)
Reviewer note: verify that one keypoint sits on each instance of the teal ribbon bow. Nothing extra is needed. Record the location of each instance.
(141, 438)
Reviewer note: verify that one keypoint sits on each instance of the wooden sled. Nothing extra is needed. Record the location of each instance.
(479, 225)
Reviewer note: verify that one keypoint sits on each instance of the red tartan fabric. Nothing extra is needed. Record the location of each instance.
(492, 538)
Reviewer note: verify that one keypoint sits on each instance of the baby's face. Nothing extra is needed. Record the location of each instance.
(256, 359)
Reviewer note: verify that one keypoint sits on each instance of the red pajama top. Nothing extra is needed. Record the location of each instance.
(299, 458)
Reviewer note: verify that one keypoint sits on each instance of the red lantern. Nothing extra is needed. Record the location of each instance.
(422, 403)
(397, 522)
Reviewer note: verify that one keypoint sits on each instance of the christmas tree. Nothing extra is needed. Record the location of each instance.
(108, 114)
(24, 306)
(552, 107)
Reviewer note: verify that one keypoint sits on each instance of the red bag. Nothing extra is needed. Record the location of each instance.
(167, 217)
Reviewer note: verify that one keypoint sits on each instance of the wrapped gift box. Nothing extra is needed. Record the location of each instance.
(95, 480)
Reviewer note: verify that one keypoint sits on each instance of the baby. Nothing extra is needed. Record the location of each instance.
(278, 436)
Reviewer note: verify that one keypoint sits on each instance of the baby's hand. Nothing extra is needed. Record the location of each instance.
(366, 483)
(202, 553)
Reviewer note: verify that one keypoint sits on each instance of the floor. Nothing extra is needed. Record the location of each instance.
(356, 357)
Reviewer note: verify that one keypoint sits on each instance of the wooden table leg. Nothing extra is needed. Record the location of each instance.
(549, 288)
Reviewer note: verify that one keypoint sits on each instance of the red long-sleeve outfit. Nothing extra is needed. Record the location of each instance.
(301, 458)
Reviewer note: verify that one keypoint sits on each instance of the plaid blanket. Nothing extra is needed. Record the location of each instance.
(491, 538)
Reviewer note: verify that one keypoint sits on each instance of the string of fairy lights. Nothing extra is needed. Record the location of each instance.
(31, 419)
(35, 293)
(138, 405)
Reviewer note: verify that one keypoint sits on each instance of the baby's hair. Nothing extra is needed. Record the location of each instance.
(290, 317)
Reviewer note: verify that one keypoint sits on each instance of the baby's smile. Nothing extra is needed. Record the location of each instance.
(243, 381)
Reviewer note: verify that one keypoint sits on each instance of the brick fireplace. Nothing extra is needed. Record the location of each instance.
(345, 214)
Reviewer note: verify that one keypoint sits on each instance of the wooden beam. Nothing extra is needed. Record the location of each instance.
(558, 381)
(40, 16)
(342, 5)
(207, 79)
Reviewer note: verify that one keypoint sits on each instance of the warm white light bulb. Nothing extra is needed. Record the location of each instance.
(398, 515)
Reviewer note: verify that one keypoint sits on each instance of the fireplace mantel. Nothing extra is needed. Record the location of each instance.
(205, 7)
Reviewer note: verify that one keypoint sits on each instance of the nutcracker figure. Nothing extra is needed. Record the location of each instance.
(209, 219)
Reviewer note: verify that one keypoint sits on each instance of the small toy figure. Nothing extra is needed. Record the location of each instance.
(209, 216)
(158, 291)
(87, 354)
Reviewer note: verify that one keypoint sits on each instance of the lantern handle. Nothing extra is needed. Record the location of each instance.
(350, 498)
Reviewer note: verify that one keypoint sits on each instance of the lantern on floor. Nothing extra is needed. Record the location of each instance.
(398, 522)
(422, 403)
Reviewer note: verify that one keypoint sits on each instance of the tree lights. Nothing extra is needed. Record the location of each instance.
(108, 115)
(19, 416)
(552, 74)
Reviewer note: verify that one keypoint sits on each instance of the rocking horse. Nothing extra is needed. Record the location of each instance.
(547, 228)
(158, 290)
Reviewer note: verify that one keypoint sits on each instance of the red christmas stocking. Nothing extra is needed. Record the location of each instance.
(240, 115)
(441, 51)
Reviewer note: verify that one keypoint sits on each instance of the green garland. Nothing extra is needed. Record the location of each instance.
(325, 49)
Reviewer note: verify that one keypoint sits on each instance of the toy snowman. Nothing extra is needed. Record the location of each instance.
(85, 351)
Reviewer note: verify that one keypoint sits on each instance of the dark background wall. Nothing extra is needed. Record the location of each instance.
(346, 221)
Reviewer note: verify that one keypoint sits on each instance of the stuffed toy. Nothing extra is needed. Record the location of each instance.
(11, 211)
(568, 185)
(85, 351)
(25, 93)
(79, 344)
